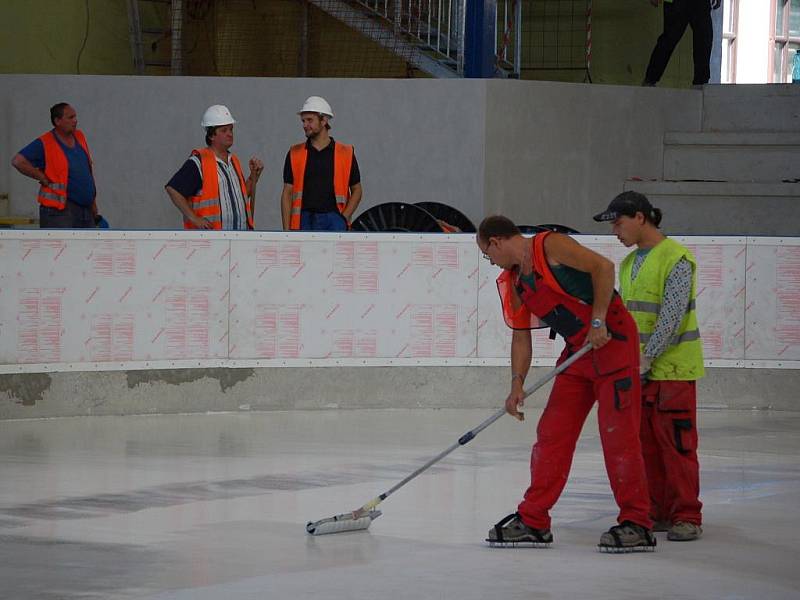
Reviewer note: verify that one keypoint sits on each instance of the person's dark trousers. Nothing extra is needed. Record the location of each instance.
(329, 221)
(74, 216)
(677, 15)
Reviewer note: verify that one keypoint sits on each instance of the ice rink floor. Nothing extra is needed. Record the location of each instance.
(214, 506)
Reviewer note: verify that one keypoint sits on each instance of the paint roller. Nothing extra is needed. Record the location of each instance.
(361, 518)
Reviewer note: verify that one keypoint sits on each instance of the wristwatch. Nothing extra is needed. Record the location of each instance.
(597, 323)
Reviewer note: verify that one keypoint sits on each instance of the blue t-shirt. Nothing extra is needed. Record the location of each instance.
(80, 182)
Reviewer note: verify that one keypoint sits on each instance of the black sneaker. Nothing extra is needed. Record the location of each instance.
(512, 532)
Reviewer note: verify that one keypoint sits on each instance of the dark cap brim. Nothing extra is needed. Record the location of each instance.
(608, 215)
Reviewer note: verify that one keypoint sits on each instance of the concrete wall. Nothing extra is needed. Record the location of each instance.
(558, 153)
(41, 395)
(42, 36)
(542, 152)
(415, 140)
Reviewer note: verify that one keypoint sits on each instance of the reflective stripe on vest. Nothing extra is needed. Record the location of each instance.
(206, 203)
(56, 168)
(682, 360)
(652, 307)
(687, 336)
(342, 165)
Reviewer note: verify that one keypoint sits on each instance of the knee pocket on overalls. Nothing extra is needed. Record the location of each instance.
(685, 435)
(622, 392)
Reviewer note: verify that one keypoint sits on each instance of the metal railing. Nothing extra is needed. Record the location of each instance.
(437, 28)
(436, 25)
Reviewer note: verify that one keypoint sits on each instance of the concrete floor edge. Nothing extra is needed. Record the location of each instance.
(40, 395)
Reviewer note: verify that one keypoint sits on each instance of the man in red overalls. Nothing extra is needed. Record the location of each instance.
(551, 279)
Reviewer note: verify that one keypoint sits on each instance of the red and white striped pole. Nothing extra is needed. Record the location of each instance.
(589, 40)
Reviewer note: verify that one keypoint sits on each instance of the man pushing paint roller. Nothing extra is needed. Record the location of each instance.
(552, 281)
(571, 289)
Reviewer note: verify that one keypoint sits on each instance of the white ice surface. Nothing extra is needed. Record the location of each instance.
(207, 507)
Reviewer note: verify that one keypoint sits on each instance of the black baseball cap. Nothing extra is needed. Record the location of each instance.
(626, 204)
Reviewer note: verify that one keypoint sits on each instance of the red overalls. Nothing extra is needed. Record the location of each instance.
(609, 375)
(669, 445)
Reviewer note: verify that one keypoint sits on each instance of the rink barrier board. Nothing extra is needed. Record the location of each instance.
(138, 300)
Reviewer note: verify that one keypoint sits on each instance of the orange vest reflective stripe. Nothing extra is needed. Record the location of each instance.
(516, 315)
(206, 203)
(342, 164)
(56, 168)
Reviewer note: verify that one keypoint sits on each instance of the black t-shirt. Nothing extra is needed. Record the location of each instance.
(318, 195)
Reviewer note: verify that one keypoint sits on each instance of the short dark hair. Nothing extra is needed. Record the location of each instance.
(210, 131)
(57, 111)
(497, 226)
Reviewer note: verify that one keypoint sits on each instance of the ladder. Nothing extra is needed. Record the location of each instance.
(154, 35)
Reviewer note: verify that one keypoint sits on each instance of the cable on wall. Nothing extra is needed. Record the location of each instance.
(85, 38)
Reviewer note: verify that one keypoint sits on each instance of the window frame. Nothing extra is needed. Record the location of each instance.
(730, 36)
(781, 41)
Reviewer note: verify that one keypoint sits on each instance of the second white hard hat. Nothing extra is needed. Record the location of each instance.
(318, 105)
(217, 115)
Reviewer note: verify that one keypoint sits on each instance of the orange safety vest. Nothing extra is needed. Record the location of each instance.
(206, 203)
(56, 168)
(342, 164)
(515, 313)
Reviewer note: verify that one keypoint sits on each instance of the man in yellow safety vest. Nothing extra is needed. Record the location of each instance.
(658, 283)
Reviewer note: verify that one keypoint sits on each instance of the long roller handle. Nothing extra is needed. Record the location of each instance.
(467, 437)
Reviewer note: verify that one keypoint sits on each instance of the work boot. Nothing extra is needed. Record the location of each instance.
(683, 531)
(627, 537)
(511, 532)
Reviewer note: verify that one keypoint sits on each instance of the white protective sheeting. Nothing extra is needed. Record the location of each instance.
(87, 300)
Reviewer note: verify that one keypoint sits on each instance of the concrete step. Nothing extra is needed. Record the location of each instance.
(732, 156)
(726, 208)
(773, 107)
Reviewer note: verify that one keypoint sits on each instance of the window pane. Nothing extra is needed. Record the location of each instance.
(726, 61)
(779, 17)
(728, 19)
(794, 63)
(794, 18)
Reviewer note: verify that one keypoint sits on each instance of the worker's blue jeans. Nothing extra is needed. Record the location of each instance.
(329, 221)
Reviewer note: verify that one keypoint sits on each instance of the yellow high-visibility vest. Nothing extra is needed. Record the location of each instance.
(643, 296)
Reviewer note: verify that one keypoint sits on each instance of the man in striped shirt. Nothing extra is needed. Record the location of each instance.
(217, 198)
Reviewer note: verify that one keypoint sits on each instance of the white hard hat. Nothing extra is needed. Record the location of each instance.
(217, 115)
(318, 105)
